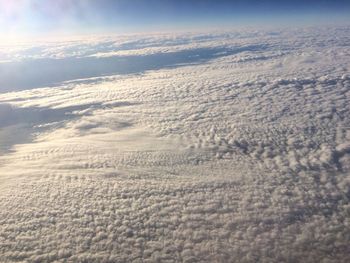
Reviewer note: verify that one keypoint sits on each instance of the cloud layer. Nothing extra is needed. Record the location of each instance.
(240, 157)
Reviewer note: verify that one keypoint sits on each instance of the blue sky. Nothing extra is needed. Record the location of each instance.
(25, 17)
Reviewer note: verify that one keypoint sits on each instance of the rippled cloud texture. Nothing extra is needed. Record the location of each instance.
(218, 147)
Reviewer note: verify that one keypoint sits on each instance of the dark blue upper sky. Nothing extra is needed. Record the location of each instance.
(37, 16)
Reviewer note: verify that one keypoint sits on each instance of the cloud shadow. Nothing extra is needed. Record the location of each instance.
(36, 73)
(18, 125)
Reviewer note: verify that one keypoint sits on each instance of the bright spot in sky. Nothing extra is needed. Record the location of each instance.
(36, 17)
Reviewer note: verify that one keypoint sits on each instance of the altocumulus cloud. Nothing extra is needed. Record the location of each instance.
(242, 156)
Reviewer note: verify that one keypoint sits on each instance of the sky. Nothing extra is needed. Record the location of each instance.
(49, 17)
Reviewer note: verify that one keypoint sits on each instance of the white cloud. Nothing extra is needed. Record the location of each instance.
(243, 157)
